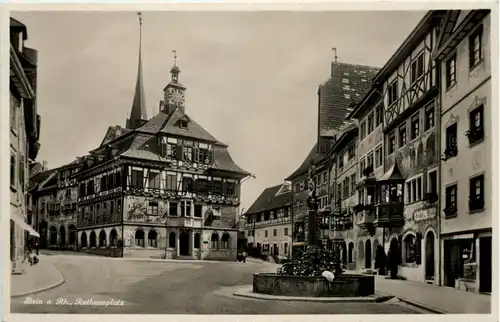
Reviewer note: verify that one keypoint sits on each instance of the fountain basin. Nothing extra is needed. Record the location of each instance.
(348, 285)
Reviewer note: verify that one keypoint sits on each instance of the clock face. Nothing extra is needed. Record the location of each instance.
(176, 97)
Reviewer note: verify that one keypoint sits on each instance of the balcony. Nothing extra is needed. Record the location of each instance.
(366, 216)
(389, 215)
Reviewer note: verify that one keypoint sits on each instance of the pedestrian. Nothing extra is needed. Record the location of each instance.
(37, 248)
(244, 255)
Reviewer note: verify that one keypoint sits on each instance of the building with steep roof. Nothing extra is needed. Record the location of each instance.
(163, 188)
(268, 221)
(24, 139)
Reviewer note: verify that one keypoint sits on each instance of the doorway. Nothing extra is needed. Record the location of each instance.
(429, 256)
(184, 243)
(485, 266)
(368, 254)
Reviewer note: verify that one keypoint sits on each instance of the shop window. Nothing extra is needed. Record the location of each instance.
(410, 249)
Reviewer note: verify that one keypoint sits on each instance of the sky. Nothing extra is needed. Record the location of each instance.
(251, 77)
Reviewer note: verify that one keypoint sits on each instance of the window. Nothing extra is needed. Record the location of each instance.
(475, 47)
(201, 155)
(118, 177)
(402, 136)
(285, 231)
(325, 177)
(13, 113)
(429, 118)
(12, 169)
(154, 180)
(451, 71)
(187, 153)
(378, 157)
(351, 152)
(362, 130)
(185, 208)
(198, 211)
(380, 115)
(417, 68)
(171, 182)
(451, 141)
(369, 163)
(202, 185)
(392, 93)
(215, 241)
(265, 233)
(391, 146)
(476, 126)
(362, 167)
(341, 160)
(111, 207)
(414, 190)
(172, 209)
(139, 238)
(275, 232)
(21, 172)
(370, 123)
(217, 187)
(152, 238)
(171, 151)
(230, 188)
(451, 200)
(415, 127)
(152, 208)
(353, 183)
(432, 182)
(137, 178)
(476, 194)
(187, 184)
(410, 249)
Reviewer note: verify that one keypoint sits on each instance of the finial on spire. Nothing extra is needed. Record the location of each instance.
(335, 51)
(175, 70)
(140, 18)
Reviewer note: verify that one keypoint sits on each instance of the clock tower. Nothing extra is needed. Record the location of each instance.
(173, 92)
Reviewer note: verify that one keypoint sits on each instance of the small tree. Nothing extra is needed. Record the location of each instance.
(380, 260)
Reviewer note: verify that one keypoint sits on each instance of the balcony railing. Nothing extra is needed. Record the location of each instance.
(389, 215)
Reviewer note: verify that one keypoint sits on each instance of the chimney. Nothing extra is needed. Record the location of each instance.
(45, 166)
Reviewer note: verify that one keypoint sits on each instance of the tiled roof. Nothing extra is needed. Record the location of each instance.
(193, 130)
(223, 161)
(313, 155)
(113, 133)
(347, 85)
(268, 200)
(39, 178)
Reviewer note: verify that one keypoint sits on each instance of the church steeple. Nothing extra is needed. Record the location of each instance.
(138, 114)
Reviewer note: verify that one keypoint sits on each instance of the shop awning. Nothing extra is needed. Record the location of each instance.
(20, 222)
(463, 236)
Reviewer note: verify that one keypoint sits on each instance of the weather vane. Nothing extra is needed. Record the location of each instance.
(175, 56)
(335, 51)
(140, 18)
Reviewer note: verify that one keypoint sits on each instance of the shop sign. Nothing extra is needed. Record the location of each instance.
(424, 214)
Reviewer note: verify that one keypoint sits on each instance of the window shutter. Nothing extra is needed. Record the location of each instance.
(178, 152)
(418, 249)
(210, 157)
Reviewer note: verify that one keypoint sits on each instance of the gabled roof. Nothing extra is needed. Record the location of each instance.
(313, 156)
(269, 200)
(347, 85)
(193, 130)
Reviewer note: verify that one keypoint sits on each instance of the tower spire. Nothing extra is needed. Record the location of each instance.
(175, 70)
(138, 112)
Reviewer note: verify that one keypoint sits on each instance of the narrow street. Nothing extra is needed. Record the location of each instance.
(155, 287)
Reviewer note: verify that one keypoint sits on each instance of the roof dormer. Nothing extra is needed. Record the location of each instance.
(183, 122)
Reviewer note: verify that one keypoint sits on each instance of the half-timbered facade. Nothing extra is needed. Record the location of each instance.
(164, 189)
(463, 54)
(407, 193)
(268, 221)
